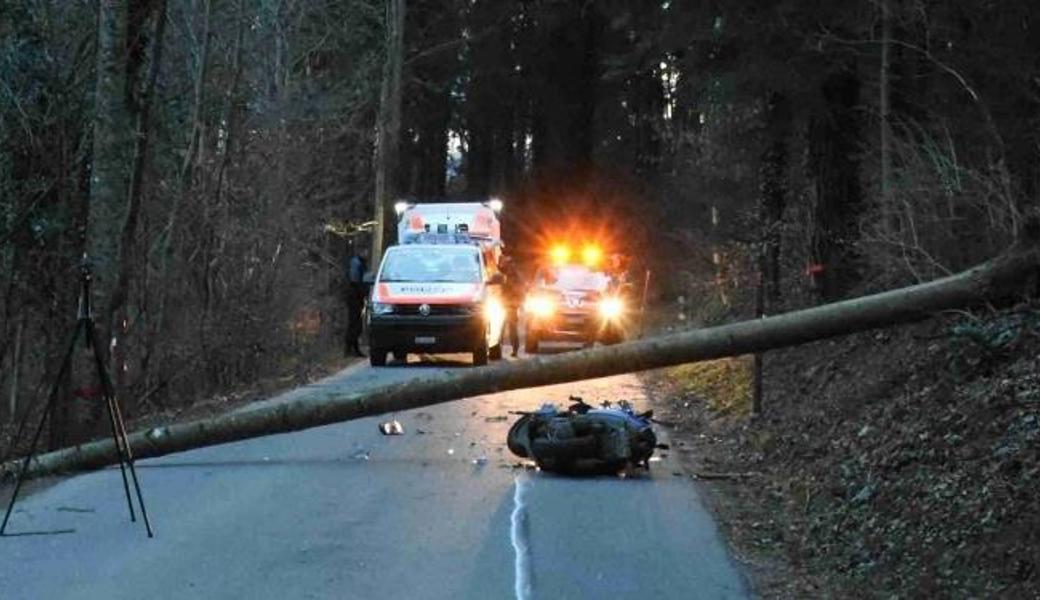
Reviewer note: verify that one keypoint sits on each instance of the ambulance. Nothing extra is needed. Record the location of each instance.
(477, 219)
(439, 289)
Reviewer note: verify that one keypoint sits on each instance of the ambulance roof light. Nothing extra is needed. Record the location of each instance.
(400, 206)
(495, 204)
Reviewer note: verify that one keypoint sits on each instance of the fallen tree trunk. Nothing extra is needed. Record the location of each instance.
(992, 280)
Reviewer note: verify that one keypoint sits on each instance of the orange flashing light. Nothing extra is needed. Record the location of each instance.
(560, 254)
(591, 255)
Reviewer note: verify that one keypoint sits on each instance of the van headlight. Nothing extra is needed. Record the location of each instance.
(611, 308)
(382, 308)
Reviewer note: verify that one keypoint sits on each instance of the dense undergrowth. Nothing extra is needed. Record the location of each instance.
(901, 463)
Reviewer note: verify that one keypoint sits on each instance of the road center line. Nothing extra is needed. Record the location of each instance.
(521, 549)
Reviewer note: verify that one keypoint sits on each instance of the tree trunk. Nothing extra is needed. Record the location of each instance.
(835, 164)
(185, 176)
(142, 100)
(16, 368)
(108, 175)
(884, 102)
(995, 279)
(388, 128)
(774, 186)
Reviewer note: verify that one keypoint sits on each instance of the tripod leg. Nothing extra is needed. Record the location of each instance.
(51, 397)
(106, 387)
(130, 463)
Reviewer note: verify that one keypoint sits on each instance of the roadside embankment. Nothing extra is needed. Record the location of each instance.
(900, 463)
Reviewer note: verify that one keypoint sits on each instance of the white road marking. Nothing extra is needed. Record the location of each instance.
(521, 549)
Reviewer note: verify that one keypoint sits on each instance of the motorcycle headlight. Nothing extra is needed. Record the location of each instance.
(611, 308)
(382, 308)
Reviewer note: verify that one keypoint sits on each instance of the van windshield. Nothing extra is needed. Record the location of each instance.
(442, 264)
(573, 278)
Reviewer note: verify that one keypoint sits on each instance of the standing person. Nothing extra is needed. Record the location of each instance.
(355, 272)
(513, 294)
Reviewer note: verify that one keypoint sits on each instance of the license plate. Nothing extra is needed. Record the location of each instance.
(425, 339)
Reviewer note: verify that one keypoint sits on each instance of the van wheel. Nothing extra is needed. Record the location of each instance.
(480, 355)
(401, 355)
(495, 352)
(377, 357)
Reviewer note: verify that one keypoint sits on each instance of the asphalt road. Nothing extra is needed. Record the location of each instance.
(345, 512)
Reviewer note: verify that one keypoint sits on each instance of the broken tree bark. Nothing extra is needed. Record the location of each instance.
(992, 280)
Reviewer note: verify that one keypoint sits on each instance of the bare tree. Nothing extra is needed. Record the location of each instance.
(388, 126)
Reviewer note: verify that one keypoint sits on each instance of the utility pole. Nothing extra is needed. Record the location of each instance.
(388, 127)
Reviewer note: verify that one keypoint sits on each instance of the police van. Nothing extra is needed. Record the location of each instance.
(439, 290)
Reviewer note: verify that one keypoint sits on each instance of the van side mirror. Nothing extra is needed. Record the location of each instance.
(497, 279)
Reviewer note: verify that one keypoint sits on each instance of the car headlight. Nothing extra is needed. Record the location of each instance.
(540, 306)
(611, 308)
(382, 308)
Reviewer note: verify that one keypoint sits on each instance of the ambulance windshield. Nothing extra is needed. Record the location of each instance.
(442, 264)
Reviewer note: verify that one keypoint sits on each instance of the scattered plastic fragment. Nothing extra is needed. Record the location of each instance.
(391, 428)
(360, 455)
(497, 419)
(654, 459)
(451, 451)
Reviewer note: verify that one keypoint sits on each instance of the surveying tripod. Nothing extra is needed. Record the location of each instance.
(85, 327)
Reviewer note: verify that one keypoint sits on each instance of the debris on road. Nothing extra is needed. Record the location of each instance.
(496, 419)
(391, 428)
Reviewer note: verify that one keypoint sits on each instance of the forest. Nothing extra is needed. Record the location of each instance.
(215, 159)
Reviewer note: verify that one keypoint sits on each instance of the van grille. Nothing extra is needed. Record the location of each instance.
(435, 309)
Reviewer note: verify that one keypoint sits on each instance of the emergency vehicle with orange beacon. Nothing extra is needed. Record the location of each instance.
(439, 289)
(579, 294)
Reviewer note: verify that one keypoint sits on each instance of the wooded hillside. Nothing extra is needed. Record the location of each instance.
(214, 157)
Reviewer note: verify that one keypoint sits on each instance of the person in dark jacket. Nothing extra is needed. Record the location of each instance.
(513, 295)
(355, 273)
